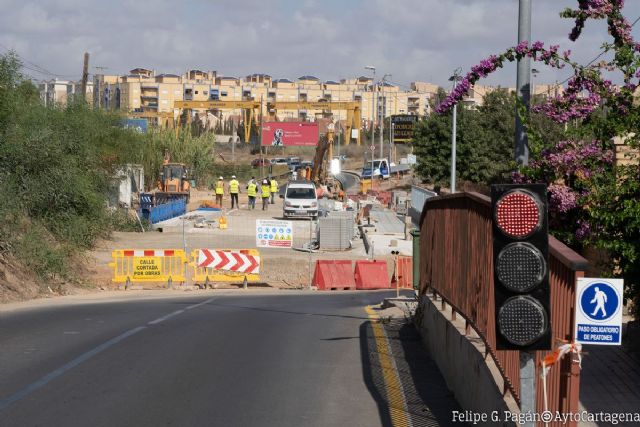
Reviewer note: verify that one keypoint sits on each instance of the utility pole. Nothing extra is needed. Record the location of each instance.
(85, 76)
(523, 82)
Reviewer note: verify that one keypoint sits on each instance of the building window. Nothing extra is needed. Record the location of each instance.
(223, 93)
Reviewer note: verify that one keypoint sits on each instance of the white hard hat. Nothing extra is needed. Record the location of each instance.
(233, 177)
(221, 178)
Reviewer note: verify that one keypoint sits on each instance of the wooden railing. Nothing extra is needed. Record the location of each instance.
(456, 264)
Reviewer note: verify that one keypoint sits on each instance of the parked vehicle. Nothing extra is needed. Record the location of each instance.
(260, 162)
(279, 161)
(300, 200)
(382, 170)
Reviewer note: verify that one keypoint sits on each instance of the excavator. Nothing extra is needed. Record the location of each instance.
(319, 173)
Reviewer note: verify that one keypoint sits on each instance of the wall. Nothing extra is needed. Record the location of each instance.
(471, 377)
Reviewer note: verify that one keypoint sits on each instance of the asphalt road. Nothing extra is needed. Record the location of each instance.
(208, 358)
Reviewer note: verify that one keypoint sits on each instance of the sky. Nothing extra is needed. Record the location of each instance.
(412, 40)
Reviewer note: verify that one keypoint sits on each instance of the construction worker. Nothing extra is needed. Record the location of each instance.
(219, 191)
(234, 190)
(252, 191)
(274, 188)
(265, 192)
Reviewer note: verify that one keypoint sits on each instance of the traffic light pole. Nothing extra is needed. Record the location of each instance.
(527, 385)
(527, 358)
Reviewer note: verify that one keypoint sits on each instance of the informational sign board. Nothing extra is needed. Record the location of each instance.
(146, 267)
(139, 125)
(599, 311)
(272, 233)
(280, 134)
(403, 125)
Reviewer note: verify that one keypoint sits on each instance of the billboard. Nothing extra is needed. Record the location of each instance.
(403, 127)
(280, 134)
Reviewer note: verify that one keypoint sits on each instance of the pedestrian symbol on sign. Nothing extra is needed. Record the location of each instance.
(599, 302)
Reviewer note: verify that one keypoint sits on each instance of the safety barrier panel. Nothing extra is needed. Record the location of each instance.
(148, 265)
(161, 212)
(371, 275)
(403, 273)
(333, 274)
(225, 265)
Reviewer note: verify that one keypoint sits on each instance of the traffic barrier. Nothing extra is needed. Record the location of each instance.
(148, 265)
(371, 275)
(403, 273)
(225, 265)
(333, 274)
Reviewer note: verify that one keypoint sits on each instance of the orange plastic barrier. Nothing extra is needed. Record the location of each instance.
(403, 273)
(333, 274)
(371, 275)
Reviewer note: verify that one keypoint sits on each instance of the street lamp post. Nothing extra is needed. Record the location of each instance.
(373, 109)
(381, 115)
(373, 100)
(455, 78)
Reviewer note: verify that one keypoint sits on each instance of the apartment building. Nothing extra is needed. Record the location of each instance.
(60, 92)
(142, 90)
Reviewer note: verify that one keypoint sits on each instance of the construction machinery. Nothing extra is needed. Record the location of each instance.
(173, 183)
(250, 110)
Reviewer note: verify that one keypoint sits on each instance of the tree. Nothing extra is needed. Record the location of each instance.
(599, 203)
(484, 142)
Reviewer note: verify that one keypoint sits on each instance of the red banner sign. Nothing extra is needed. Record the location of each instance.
(278, 134)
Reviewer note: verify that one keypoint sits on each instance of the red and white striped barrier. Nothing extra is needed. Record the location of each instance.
(228, 261)
(148, 252)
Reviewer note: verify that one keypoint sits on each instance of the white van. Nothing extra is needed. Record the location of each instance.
(300, 200)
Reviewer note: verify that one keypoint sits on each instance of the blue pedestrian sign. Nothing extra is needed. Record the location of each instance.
(599, 311)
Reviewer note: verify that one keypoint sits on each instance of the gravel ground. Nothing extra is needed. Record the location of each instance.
(282, 268)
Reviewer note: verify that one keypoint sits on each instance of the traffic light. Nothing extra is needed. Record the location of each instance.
(521, 267)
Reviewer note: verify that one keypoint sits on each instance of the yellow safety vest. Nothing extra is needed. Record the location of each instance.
(274, 186)
(220, 187)
(251, 189)
(234, 187)
(265, 190)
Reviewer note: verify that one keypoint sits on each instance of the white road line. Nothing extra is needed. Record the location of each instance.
(163, 318)
(200, 303)
(8, 401)
(64, 368)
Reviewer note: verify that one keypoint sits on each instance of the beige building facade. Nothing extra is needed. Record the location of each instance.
(60, 92)
(142, 90)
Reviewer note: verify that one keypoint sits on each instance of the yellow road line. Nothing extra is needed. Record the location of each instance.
(392, 383)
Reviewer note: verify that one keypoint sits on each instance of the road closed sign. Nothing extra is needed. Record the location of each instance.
(272, 233)
(146, 268)
(599, 311)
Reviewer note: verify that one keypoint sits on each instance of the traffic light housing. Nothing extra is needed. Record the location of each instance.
(521, 267)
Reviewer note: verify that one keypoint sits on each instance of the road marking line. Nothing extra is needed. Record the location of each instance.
(4, 403)
(393, 386)
(58, 372)
(200, 303)
(163, 318)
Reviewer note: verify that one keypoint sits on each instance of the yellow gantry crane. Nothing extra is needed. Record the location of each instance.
(165, 119)
(249, 110)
